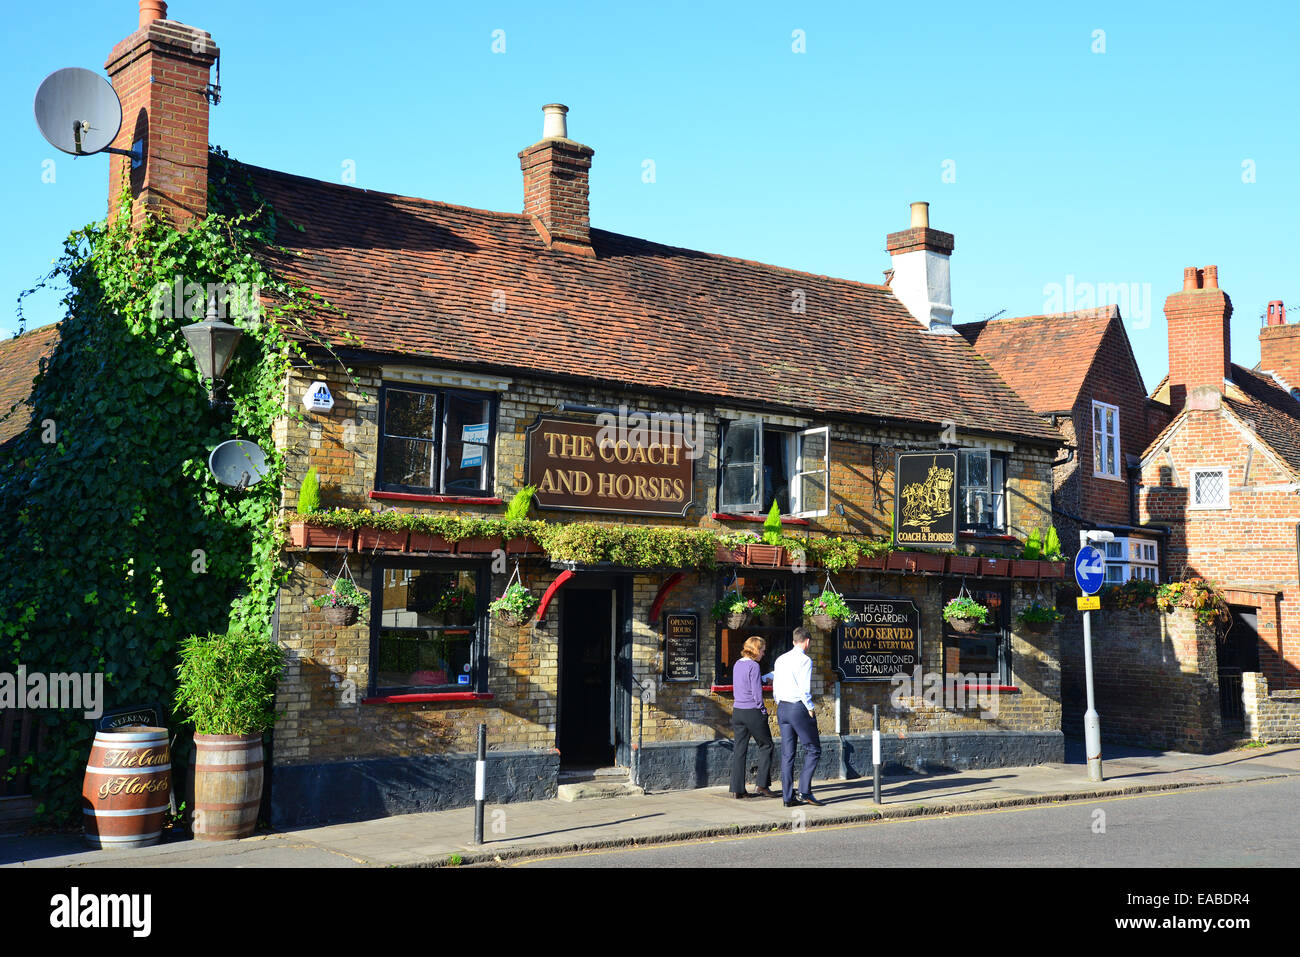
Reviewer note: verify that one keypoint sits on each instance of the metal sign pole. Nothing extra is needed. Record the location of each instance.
(875, 751)
(1090, 573)
(1091, 722)
(480, 783)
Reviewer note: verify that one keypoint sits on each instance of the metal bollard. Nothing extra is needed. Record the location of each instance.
(480, 783)
(875, 750)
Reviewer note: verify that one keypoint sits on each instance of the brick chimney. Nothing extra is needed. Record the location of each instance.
(1198, 318)
(1279, 345)
(555, 185)
(161, 74)
(920, 274)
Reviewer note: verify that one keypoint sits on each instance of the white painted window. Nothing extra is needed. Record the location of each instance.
(1209, 488)
(982, 487)
(762, 464)
(1129, 558)
(1105, 440)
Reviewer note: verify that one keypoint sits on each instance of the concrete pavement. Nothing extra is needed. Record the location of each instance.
(549, 827)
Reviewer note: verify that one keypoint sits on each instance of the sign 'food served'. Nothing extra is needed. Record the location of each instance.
(925, 499)
(591, 467)
(880, 639)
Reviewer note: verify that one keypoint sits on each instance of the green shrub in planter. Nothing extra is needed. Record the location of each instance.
(309, 493)
(520, 503)
(772, 533)
(226, 683)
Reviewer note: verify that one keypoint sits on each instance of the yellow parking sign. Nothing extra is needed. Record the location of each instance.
(1089, 603)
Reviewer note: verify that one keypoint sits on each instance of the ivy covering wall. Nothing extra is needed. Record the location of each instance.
(119, 542)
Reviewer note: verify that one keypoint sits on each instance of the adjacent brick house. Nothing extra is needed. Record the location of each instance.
(1077, 370)
(20, 361)
(1223, 476)
(478, 346)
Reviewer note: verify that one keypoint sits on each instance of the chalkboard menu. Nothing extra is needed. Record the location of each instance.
(681, 647)
(881, 638)
(925, 499)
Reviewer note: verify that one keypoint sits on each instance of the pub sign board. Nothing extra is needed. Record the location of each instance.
(925, 499)
(593, 467)
(881, 638)
(681, 647)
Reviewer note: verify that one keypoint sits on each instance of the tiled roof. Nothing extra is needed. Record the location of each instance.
(1044, 358)
(20, 360)
(1257, 398)
(418, 278)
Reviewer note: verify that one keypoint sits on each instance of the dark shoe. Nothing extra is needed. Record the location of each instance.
(794, 802)
(764, 793)
(742, 794)
(809, 799)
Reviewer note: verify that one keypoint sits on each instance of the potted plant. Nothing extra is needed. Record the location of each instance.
(826, 609)
(309, 493)
(771, 607)
(427, 534)
(478, 536)
(226, 684)
(341, 602)
(1038, 618)
(772, 551)
(733, 609)
(522, 534)
(383, 530)
(965, 615)
(332, 529)
(515, 606)
(456, 606)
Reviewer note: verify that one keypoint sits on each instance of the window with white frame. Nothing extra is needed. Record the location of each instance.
(1105, 440)
(1209, 488)
(761, 464)
(1129, 558)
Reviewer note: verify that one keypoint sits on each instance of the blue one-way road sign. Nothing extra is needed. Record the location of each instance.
(1089, 570)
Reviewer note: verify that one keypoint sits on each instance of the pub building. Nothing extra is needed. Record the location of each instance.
(498, 350)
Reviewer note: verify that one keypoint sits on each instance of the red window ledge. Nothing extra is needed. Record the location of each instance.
(730, 689)
(730, 517)
(430, 696)
(437, 499)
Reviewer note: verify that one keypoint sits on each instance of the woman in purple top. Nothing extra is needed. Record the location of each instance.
(749, 718)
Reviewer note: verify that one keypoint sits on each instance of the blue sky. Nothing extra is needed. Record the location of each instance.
(1069, 166)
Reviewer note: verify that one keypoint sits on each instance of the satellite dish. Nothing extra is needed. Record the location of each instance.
(78, 112)
(239, 463)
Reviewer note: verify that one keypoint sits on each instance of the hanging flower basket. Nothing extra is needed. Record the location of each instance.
(733, 609)
(1039, 627)
(827, 609)
(964, 626)
(516, 604)
(824, 622)
(736, 621)
(964, 614)
(340, 614)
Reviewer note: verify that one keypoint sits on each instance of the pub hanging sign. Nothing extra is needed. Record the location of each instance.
(925, 499)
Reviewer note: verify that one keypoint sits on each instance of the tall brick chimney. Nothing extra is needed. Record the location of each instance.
(161, 74)
(921, 280)
(1279, 345)
(1199, 353)
(555, 185)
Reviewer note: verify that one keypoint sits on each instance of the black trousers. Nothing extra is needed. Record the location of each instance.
(746, 722)
(797, 727)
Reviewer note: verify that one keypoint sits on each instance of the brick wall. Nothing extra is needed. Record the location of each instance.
(1249, 547)
(1270, 718)
(1155, 679)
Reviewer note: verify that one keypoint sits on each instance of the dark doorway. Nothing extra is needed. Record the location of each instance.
(1238, 652)
(586, 714)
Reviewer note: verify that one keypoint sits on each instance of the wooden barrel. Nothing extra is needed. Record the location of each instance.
(127, 788)
(227, 785)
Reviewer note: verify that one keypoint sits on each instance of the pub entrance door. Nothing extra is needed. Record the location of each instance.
(586, 732)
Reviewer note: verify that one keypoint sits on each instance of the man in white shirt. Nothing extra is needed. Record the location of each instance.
(792, 689)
